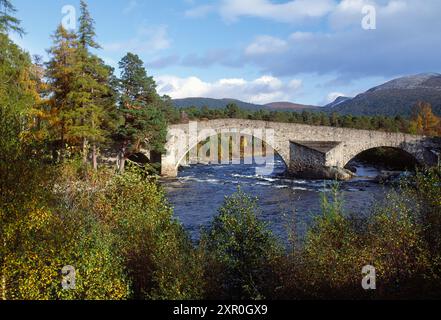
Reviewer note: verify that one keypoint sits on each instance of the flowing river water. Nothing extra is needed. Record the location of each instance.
(200, 190)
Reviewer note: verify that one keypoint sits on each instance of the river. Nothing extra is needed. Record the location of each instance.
(200, 190)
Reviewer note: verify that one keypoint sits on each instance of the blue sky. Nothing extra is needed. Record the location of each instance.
(304, 51)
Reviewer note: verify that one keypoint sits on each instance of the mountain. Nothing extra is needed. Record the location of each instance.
(396, 97)
(289, 106)
(214, 103)
(337, 102)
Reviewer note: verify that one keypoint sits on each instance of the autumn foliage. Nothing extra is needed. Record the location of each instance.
(424, 121)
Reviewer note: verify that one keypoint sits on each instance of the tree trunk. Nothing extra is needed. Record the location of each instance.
(122, 160)
(4, 278)
(54, 154)
(62, 147)
(122, 164)
(85, 153)
(94, 157)
(3, 287)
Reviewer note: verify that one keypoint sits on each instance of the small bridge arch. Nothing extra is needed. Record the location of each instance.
(409, 149)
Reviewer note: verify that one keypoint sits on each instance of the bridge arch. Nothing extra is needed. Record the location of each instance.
(353, 153)
(270, 146)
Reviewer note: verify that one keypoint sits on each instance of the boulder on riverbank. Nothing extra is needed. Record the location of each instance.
(325, 173)
(391, 177)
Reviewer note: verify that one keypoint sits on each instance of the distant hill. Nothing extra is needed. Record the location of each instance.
(289, 106)
(396, 97)
(222, 103)
(214, 103)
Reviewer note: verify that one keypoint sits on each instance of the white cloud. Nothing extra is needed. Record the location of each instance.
(232, 82)
(261, 90)
(265, 45)
(295, 84)
(301, 35)
(291, 11)
(147, 40)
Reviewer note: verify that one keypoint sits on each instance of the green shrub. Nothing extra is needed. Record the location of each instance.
(116, 230)
(157, 255)
(425, 190)
(329, 263)
(394, 244)
(48, 243)
(240, 252)
(41, 236)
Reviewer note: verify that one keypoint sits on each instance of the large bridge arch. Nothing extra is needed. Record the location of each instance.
(181, 141)
(270, 147)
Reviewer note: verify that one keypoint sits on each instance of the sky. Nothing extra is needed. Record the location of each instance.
(258, 51)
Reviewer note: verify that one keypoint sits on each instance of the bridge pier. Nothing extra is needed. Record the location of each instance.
(169, 172)
(317, 160)
(168, 167)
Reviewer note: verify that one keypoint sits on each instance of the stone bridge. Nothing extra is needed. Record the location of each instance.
(302, 147)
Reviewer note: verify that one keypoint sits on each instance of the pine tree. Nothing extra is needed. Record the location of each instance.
(87, 28)
(61, 76)
(144, 124)
(91, 91)
(88, 93)
(82, 99)
(7, 21)
(39, 117)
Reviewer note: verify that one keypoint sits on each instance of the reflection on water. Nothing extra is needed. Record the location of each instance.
(201, 189)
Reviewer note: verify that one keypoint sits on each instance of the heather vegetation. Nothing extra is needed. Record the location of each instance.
(59, 206)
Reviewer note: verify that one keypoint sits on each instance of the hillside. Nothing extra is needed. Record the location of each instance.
(396, 97)
(337, 102)
(222, 103)
(213, 103)
(289, 106)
